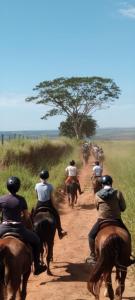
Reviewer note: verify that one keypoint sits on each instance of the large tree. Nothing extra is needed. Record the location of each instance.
(87, 130)
(74, 96)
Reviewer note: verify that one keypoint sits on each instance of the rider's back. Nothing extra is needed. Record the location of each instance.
(110, 203)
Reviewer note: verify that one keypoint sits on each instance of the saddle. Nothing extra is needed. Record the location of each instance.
(43, 209)
(108, 222)
(14, 235)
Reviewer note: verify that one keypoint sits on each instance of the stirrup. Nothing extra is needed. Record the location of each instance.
(91, 259)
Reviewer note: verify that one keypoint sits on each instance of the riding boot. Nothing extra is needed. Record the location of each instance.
(92, 258)
(61, 232)
(38, 268)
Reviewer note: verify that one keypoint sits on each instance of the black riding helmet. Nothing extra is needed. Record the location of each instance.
(44, 174)
(13, 184)
(106, 180)
(72, 163)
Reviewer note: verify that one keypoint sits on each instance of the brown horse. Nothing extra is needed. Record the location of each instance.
(72, 193)
(15, 268)
(113, 249)
(45, 226)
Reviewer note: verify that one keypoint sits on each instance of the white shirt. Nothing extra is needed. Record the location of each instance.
(97, 170)
(71, 170)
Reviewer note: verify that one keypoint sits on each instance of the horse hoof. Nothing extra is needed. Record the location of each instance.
(49, 273)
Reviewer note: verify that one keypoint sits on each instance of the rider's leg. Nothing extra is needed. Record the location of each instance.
(32, 238)
(91, 238)
(79, 187)
(61, 232)
(5, 228)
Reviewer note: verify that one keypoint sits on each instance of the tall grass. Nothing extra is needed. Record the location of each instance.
(26, 158)
(120, 163)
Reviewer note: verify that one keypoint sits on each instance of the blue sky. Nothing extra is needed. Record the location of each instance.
(45, 39)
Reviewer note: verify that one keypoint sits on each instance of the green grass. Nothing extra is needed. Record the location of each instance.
(26, 158)
(120, 163)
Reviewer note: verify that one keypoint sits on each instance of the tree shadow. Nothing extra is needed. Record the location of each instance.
(87, 206)
(128, 298)
(75, 272)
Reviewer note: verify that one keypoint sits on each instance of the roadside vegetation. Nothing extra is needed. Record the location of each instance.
(120, 163)
(26, 158)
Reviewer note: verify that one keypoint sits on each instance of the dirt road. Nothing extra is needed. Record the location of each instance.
(70, 273)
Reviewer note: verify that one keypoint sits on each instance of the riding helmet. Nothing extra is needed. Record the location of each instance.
(106, 180)
(13, 184)
(44, 174)
(72, 163)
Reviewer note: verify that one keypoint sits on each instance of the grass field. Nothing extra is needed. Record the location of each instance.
(26, 158)
(120, 163)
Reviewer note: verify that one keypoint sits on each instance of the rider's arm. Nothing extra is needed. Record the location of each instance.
(25, 214)
(27, 219)
(122, 203)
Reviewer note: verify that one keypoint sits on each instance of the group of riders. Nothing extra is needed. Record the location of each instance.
(109, 204)
(14, 208)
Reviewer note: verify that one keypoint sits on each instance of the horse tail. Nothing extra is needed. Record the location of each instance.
(109, 257)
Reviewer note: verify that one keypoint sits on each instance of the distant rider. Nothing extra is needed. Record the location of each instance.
(109, 203)
(97, 170)
(13, 206)
(72, 174)
(44, 191)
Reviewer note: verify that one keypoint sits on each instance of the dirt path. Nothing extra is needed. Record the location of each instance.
(70, 273)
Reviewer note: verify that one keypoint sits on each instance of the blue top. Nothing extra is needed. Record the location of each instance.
(44, 191)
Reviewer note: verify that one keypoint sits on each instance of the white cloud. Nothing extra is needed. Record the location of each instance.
(128, 11)
(11, 100)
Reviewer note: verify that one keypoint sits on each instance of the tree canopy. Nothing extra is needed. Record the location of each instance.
(87, 130)
(75, 96)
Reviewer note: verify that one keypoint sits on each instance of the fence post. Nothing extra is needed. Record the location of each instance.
(2, 139)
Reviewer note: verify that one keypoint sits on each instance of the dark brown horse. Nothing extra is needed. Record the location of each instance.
(113, 249)
(15, 268)
(72, 192)
(45, 226)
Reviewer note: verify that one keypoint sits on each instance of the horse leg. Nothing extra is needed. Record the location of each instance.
(13, 291)
(68, 198)
(49, 255)
(108, 286)
(42, 253)
(2, 291)
(120, 277)
(24, 284)
(72, 200)
(75, 198)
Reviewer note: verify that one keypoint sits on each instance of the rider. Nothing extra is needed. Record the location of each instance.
(97, 170)
(44, 191)
(13, 206)
(109, 203)
(71, 172)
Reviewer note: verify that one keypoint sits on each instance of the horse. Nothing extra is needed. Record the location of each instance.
(96, 183)
(113, 249)
(44, 224)
(72, 192)
(15, 267)
(101, 158)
